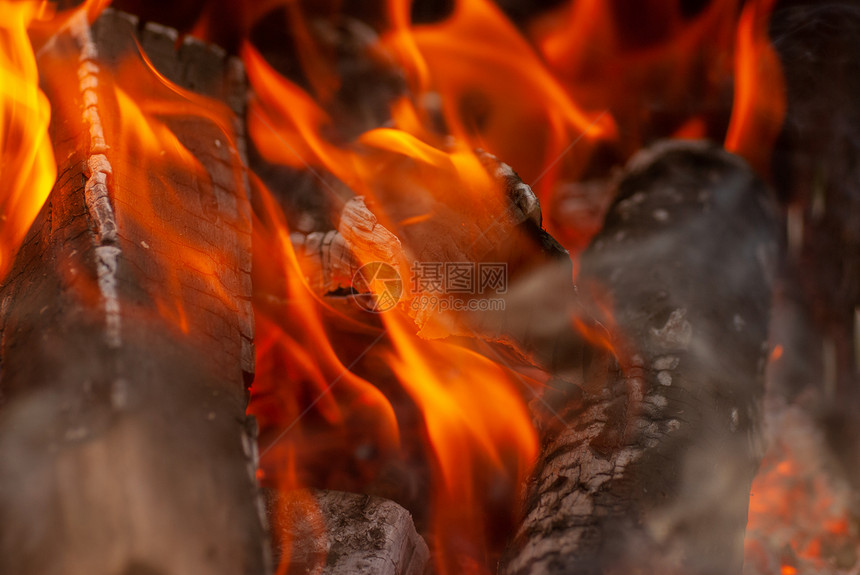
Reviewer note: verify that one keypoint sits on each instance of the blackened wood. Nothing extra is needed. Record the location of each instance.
(338, 533)
(652, 469)
(123, 442)
(818, 177)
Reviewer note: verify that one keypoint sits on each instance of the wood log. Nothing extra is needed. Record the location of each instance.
(333, 532)
(650, 472)
(125, 362)
(531, 322)
(817, 177)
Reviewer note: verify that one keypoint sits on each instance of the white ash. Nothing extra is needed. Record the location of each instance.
(96, 193)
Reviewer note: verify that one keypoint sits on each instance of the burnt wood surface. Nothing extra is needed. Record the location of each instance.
(334, 532)
(532, 324)
(646, 468)
(124, 447)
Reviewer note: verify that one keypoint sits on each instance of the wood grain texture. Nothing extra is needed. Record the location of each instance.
(333, 532)
(130, 454)
(647, 467)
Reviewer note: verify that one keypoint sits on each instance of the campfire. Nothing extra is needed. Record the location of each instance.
(408, 287)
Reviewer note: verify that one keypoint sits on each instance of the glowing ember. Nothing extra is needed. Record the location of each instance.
(800, 506)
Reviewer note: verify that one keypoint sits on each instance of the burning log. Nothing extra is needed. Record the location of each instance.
(514, 238)
(332, 532)
(651, 471)
(127, 325)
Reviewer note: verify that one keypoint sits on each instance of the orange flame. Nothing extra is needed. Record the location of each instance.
(579, 74)
(461, 395)
(27, 168)
(528, 103)
(495, 92)
(458, 392)
(655, 72)
(149, 175)
(313, 407)
(760, 107)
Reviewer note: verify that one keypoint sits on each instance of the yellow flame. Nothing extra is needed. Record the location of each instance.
(27, 167)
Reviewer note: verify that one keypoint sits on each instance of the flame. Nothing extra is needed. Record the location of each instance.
(655, 71)
(153, 171)
(544, 103)
(313, 408)
(759, 107)
(469, 445)
(26, 155)
(495, 92)
(461, 395)
(545, 100)
(776, 353)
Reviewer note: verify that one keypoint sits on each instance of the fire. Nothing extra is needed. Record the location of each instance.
(334, 391)
(458, 392)
(152, 171)
(26, 155)
(461, 395)
(325, 412)
(545, 103)
(287, 125)
(495, 91)
(759, 107)
(799, 514)
(658, 71)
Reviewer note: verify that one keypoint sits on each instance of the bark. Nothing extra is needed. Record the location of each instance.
(332, 532)
(650, 470)
(123, 442)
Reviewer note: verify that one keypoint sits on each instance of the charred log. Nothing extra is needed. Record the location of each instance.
(123, 441)
(651, 471)
(818, 178)
(537, 268)
(336, 532)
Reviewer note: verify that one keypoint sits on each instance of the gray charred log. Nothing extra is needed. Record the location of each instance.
(650, 470)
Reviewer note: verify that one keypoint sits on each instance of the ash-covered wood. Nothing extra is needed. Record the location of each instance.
(650, 471)
(334, 533)
(123, 441)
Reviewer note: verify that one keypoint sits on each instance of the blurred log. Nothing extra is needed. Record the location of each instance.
(123, 442)
(332, 532)
(818, 177)
(651, 470)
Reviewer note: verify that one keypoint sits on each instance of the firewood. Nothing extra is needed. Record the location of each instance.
(538, 270)
(651, 470)
(123, 441)
(333, 533)
(817, 177)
